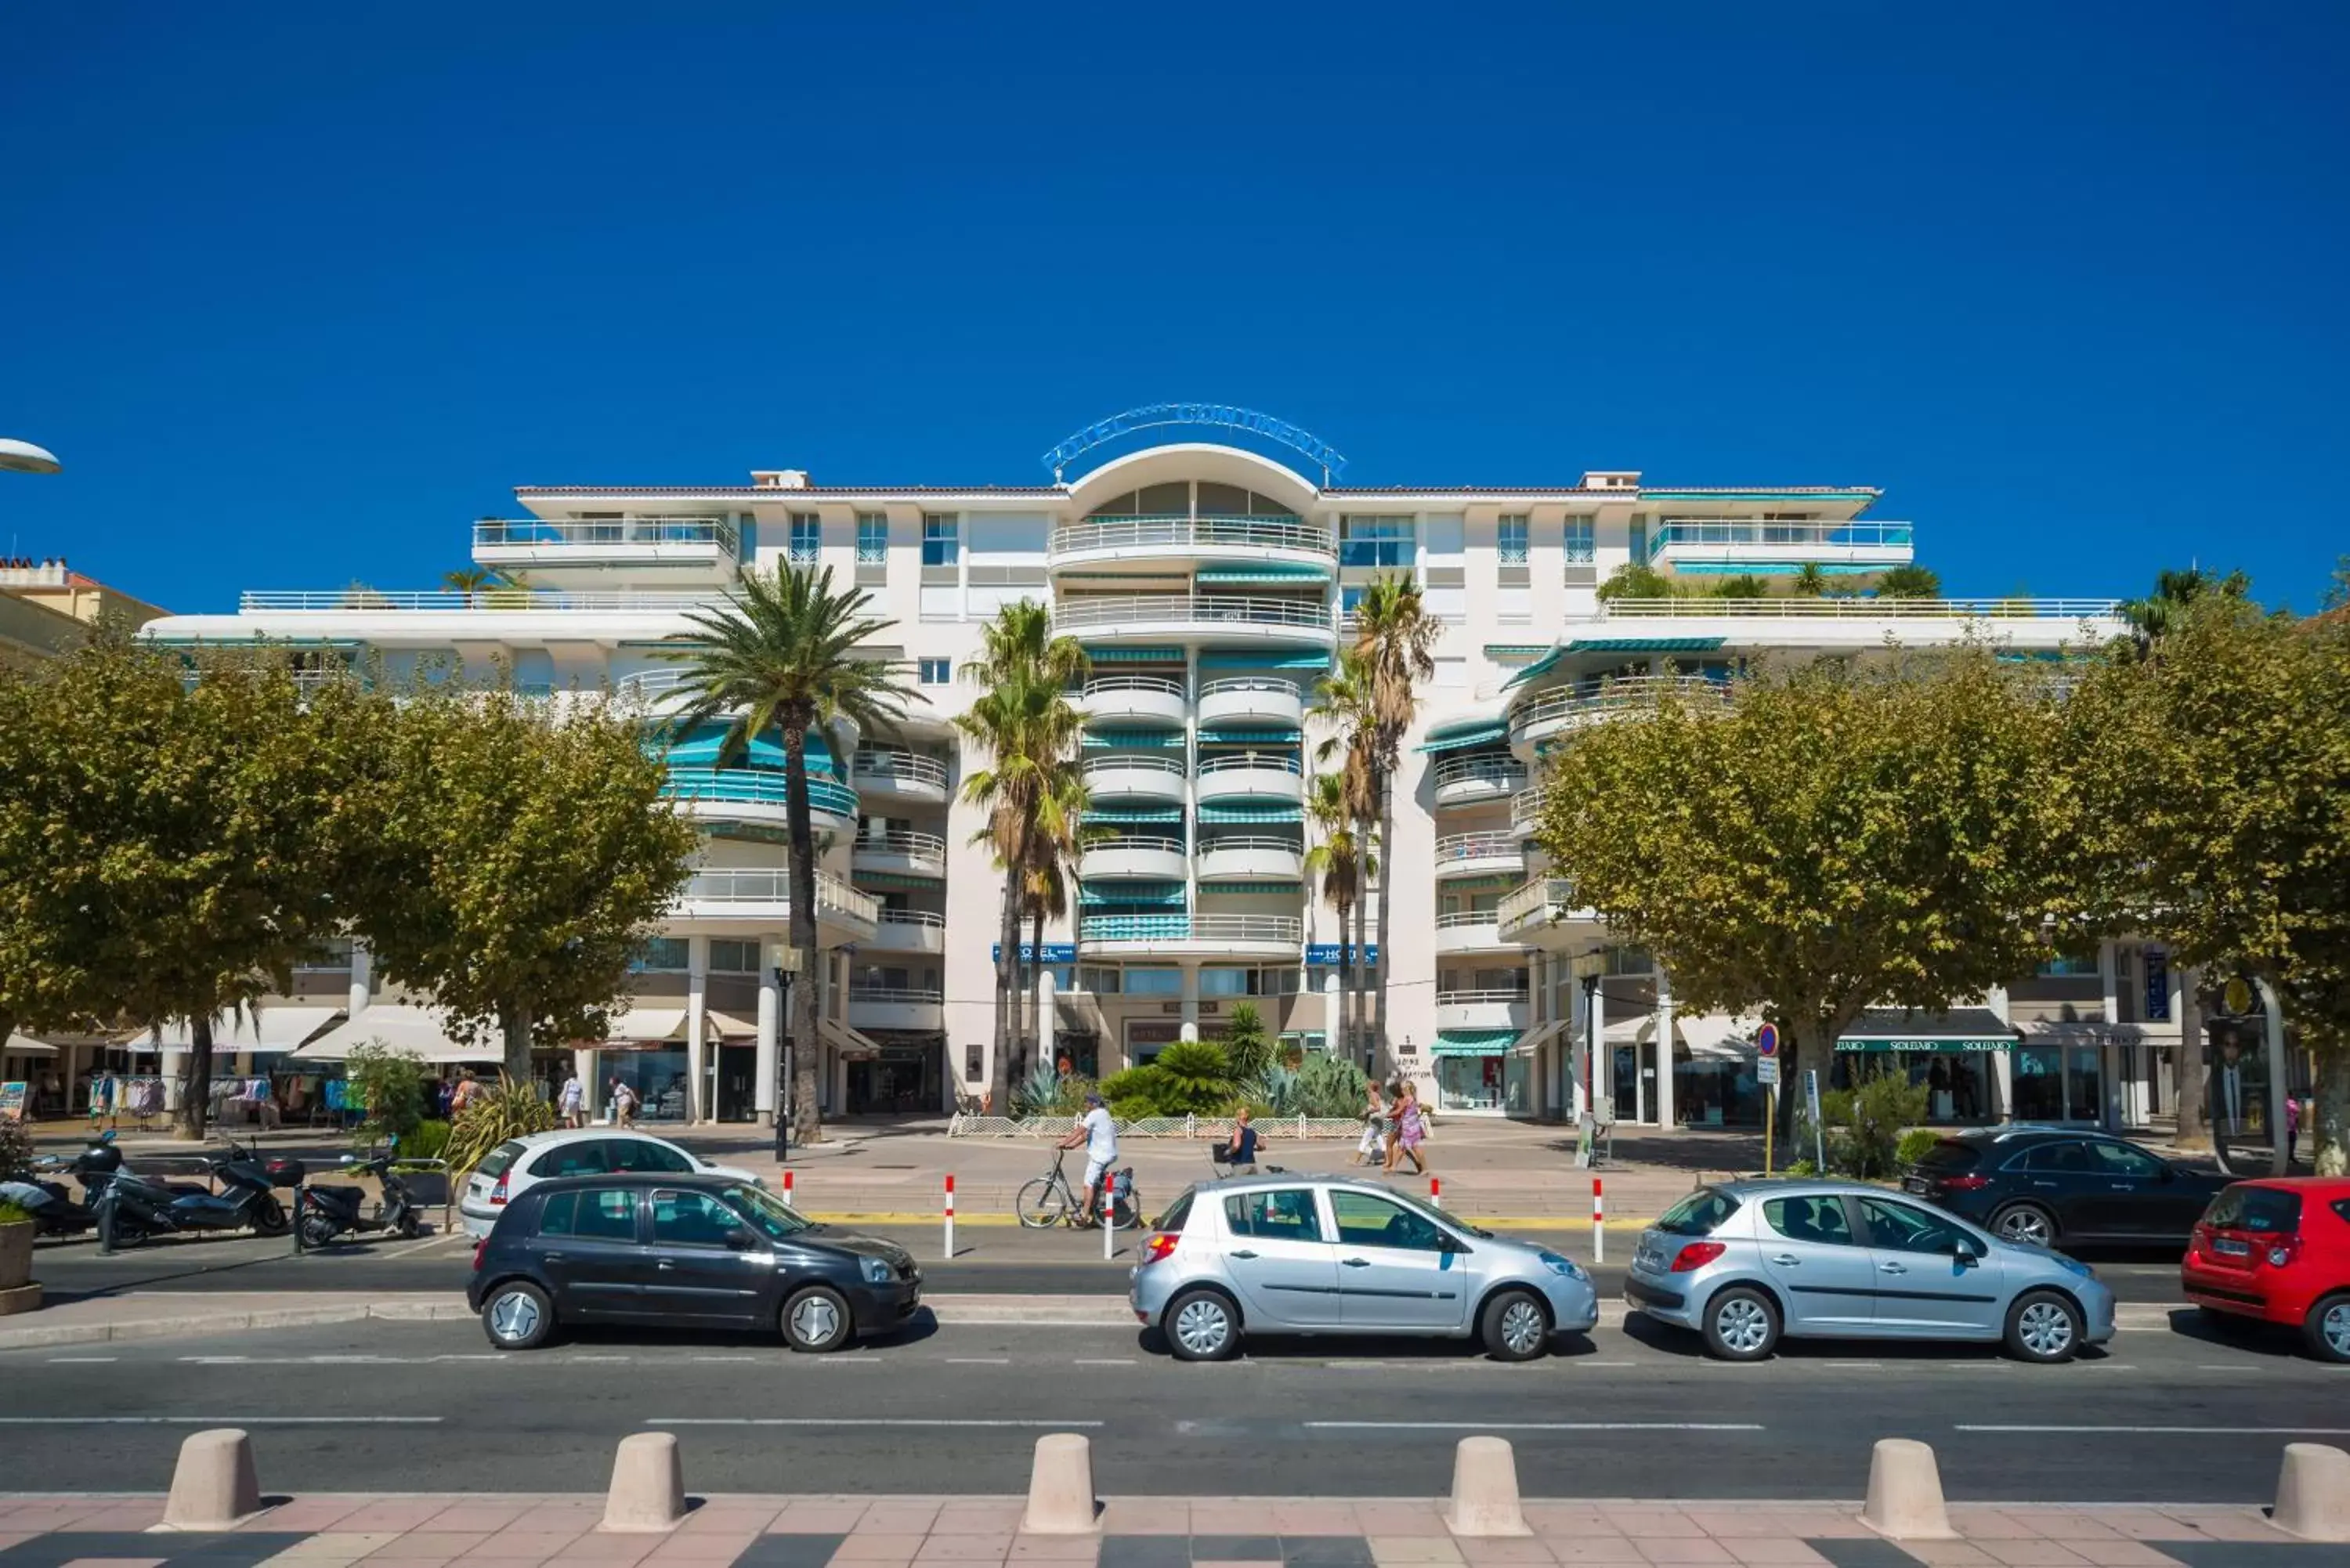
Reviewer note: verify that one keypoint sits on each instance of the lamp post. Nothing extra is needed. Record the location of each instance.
(783, 976)
(24, 457)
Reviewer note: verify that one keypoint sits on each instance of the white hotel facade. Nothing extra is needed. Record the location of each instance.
(1210, 584)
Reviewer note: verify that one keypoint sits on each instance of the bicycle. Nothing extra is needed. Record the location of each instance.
(1050, 1199)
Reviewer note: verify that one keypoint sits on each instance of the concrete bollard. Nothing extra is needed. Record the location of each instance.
(214, 1485)
(648, 1492)
(1484, 1489)
(2312, 1499)
(1905, 1492)
(1061, 1487)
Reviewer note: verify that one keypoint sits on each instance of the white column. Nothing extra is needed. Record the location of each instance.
(1663, 1096)
(1191, 1002)
(2273, 1038)
(362, 978)
(1592, 1036)
(2109, 984)
(771, 1030)
(697, 1013)
(1333, 1006)
(2003, 1063)
(1047, 1011)
(584, 1065)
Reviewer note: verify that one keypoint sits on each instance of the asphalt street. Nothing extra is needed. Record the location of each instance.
(990, 1259)
(2169, 1412)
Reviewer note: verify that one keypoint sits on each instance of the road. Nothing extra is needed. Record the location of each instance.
(2165, 1414)
(990, 1259)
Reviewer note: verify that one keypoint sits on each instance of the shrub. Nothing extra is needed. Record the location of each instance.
(1248, 1049)
(1195, 1078)
(390, 1084)
(1632, 581)
(1914, 1145)
(1035, 1094)
(1135, 1086)
(1134, 1109)
(429, 1141)
(1280, 1093)
(1331, 1086)
(511, 1110)
(12, 1215)
(1865, 1123)
(16, 1152)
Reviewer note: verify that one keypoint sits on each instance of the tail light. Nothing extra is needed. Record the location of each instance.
(498, 1193)
(1970, 1183)
(1697, 1255)
(1158, 1245)
(479, 1247)
(2283, 1251)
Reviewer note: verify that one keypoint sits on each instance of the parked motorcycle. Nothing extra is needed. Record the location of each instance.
(53, 1209)
(132, 1207)
(325, 1214)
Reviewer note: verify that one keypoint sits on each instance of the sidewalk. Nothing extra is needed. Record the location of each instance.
(781, 1531)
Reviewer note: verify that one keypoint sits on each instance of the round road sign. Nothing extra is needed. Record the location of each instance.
(1766, 1040)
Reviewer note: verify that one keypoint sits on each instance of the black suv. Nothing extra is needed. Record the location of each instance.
(685, 1251)
(2046, 1185)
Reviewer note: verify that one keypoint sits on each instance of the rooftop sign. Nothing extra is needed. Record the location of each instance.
(1223, 416)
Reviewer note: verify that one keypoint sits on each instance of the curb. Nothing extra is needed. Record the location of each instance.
(185, 1323)
(1564, 1223)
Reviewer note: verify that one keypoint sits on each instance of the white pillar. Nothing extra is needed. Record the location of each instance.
(1663, 1096)
(771, 1030)
(697, 1013)
(362, 978)
(1191, 1002)
(1592, 1037)
(2273, 1037)
(584, 1066)
(2003, 1063)
(1047, 1011)
(1334, 1010)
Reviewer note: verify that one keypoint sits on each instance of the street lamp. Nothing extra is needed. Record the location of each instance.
(785, 972)
(24, 457)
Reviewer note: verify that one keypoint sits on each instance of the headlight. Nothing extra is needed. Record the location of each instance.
(877, 1272)
(2074, 1266)
(1567, 1266)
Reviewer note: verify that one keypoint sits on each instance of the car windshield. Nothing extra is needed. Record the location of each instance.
(494, 1164)
(768, 1212)
(2265, 1209)
(1697, 1214)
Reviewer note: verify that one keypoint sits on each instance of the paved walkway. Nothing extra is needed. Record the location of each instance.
(508, 1531)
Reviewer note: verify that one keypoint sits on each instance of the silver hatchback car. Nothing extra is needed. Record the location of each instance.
(1331, 1254)
(1744, 1262)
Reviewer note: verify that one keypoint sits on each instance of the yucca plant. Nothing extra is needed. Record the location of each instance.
(511, 1110)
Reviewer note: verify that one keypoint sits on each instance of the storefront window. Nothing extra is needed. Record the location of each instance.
(1714, 1092)
(658, 1076)
(1960, 1084)
(1469, 1083)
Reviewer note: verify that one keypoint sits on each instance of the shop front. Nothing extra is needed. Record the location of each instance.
(906, 1076)
(1472, 1069)
(2070, 1072)
(1955, 1056)
(655, 1070)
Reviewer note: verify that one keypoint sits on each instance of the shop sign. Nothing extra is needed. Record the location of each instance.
(1324, 955)
(12, 1102)
(1851, 1042)
(2158, 986)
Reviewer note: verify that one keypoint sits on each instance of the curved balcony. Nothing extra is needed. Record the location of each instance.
(1140, 857)
(1128, 777)
(886, 773)
(1211, 934)
(1469, 780)
(1572, 707)
(1134, 699)
(1481, 1010)
(1175, 540)
(1250, 857)
(1252, 775)
(1525, 812)
(1546, 913)
(757, 795)
(657, 688)
(759, 900)
(1198, 617)
(909, 931)
(896, 1007)
(1470, 932)
(902, 850)
(1478, 855)
(1253, 700)
(678, 549)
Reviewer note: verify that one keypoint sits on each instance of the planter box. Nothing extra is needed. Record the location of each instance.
(17, 1293)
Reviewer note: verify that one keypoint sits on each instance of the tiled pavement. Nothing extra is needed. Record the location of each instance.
(725, 1531)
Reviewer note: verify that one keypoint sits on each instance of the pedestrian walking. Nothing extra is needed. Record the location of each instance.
(573, 1101)
(2292, 1125)
(624, 1104)
(1373, 1145)
(1411, 1131)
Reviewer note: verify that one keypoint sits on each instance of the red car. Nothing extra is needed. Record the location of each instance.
(2277, 1251)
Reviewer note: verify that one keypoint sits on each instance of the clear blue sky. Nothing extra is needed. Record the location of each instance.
(296, 291)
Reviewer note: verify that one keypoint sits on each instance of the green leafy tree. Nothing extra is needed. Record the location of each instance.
(1908, 582)
(783, 658)
(515, 861)
(390, 1086)
(2337, 597)
(468, 580)
(1634, 580)
(1835, 838)
(1395, 638)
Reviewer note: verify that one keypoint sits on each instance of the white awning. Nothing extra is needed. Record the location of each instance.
(642, 1022)
(1534, 1038)
(1637, 1030)
(25, 1045)
(414, 1030)
(1717, 1036)
(726, 1026)
(278, 1028)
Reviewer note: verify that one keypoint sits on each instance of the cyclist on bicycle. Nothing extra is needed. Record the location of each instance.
(1099, 1134)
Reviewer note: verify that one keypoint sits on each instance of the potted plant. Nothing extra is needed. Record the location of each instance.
(17, 1291)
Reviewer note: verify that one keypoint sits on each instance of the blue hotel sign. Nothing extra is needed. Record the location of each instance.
(1324, 955)
(1055, 952)
(1223, 416)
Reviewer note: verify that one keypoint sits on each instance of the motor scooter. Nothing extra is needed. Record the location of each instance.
(43, 1196)
(132, 1208)
(325, 1214)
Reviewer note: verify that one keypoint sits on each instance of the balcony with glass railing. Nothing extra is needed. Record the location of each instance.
(668, 603)
(886, 772)
(1478, 854)
(1241, 935)
(903, 850)
(1207, 618)
(1135, 856)
(1241, 700)
(1250, 857)
(694, 549)
(757, 794)
(1156, 700)
(1177, 539)
(1470, 780)
(1571, 707)
(909, 931)
(1767, 545)
(763, 896)
(2099, 613)
(1136, 775)
(1269, 775)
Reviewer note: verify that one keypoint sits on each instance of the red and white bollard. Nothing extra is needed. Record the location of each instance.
(949, 1216)
(1436, 1192)
(1598, 1223)
(787, 1186)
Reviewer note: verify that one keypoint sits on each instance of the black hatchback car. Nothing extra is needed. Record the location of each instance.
(683, 1251)
(2050, 1185)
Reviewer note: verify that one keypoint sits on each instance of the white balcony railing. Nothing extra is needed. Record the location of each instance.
(902, 841)
(1266, 762)
(1245, 841)
(648, 684)
(1499, 772)
(587, 534)
(1207, 610)
(1535, 900)
(928, 920)
(1577, 704)
(1826, 534)
(1860, 609)
(1158, 684)
(1273, 683)
(1453, 919)
(1478, 998)
(896, 995)
(1459, 847)
(648, 601)
(1133, 763)
(883, 765)
(1526, 809)
(775, 886)
(1176, 532)
(1136, 841)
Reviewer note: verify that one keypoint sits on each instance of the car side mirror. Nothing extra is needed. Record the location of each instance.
(739, 1238)
(1969, 1252)
(349, 1160)
(2169, 1172)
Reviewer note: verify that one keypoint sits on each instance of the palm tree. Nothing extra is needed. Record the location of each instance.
(1027, 723)
(1060, 837)
(1343, 701)
(1910, 582)
(1341, 857)
(2175, 595)
(1811, 581)
(1396, 638)
(470, 580)
(781, 656)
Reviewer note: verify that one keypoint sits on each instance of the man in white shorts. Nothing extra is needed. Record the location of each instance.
(1099, 1134)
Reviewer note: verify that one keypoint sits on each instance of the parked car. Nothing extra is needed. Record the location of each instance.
(2277, 1251)
(683, 1251)
(507, 1171)
(1744, 1263)
(2047, 1185)
(1294, 1253)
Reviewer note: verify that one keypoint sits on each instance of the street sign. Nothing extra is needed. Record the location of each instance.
(1766, 1044)
(1766, 1072)
(1812, 1093)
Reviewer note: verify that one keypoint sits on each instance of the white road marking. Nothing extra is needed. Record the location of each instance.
(1121, 1360)
(979, 1361)
(844, 1421)
(719, 1358)
(2171, 1431)
(81, 1360)
(220, 1420)
(405, 1247)
(1536, 1426)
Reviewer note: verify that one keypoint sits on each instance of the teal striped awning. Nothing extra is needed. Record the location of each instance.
(1250, 737)
(1646, 644)
(1462, 740)
(1152, 740)
(1474, 1042)
(1214, 659)
(1136, 814)
(1136, 655)
(1268, 572)
(1516, 650)
(895, 879)
(1099, 895)
(1539, 667)
(1216, 812)
(1291, 887)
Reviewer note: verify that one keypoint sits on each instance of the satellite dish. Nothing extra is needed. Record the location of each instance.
(24, 457)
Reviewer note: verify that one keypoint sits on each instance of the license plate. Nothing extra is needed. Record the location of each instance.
(2227, 1248)
(1913, 1184)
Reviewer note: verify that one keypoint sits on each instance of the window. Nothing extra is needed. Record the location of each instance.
(1287, 1215)
(1510, 538)
(1901, 1229)
(661, 955)
(1368, 1221)
(1820, 1219)
(1100, 981)
(597, 1214)
(936, 671)
(1172, 1220)
(872, 538)
(1223, 982)
(2060, 965)
(1374, 541)
(643, 1154)
(941, 544)
(692, 1219)
(1154, 982)
(2271, 1211)
(494, 1164)
(1579, 543)
(1699, 1213)
(1298, 1040)
(2068, 1157)
(807, 536)
(2120, 1159)
(728, 956)
(586, 1158)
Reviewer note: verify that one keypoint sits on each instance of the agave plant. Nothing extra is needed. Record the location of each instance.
(511, 1110)
(1039, 1094)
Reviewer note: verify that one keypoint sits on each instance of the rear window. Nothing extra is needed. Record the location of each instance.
(1177, 1212)
(1699, 1213)
(494, 1164)
(2263, 1210)
(1951, 1154)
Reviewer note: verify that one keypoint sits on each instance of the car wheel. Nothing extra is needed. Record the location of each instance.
(1741, 1325)
(2327, 1328)
(1515, 1326)
(2043, 1326)
(817, 1320)
(1203, 1326)
(2026, 1224)
(518, 1316)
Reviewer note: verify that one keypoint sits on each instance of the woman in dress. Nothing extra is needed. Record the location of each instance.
(1373, 1145)
(1411, 1129)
